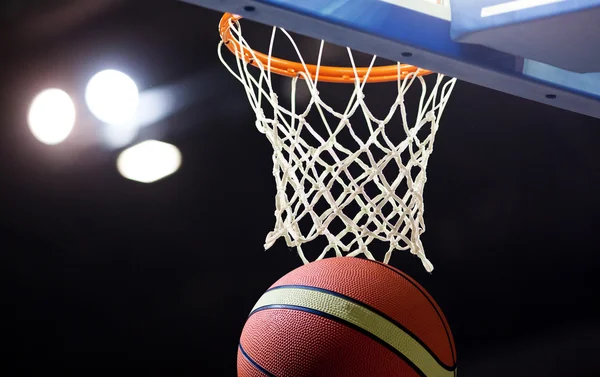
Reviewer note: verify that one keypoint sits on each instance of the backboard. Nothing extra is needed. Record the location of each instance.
(430, 34)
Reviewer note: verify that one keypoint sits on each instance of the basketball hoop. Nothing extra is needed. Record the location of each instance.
(325, 73)
(325, 186)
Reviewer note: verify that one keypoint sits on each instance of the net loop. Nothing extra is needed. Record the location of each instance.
(343, 175)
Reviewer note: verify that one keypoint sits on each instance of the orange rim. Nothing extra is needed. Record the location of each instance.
(326, 73)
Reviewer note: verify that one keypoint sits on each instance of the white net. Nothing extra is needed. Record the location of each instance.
(339, 175)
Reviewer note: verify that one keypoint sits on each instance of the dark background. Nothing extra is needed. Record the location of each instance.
(101, 274)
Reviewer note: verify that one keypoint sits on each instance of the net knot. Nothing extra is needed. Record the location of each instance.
(274, 98)
(261, 119)
(260, 114)
(430, 117)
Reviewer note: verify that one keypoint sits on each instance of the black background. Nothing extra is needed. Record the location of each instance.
(104, 274)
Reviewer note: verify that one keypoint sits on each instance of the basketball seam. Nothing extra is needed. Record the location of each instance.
(349, 325)
(376, 311)
(254, 363)
(433, 304)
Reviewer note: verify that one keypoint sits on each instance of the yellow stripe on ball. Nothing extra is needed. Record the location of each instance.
(361, 317)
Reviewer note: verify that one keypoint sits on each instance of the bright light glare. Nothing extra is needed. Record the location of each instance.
(149, 161)
(112, 96)
(153, 106)
(119, 135)
(51, 116)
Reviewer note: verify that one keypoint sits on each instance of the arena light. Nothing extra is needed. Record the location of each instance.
(112, 96)
(149, 161)
(51, 116)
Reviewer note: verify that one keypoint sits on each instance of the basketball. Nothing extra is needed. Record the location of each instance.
(346, 317)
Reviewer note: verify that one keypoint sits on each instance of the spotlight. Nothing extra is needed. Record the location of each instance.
(51, 116)
(149, 161)
(112, 96)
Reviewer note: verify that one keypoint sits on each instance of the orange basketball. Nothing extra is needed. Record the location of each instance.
(346, 317)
